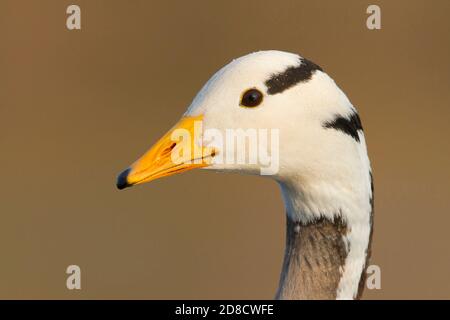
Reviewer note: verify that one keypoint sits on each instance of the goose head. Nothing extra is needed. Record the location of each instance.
(277, 114)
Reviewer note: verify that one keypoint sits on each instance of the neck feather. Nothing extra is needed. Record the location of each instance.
(327, 243)
(314, 256)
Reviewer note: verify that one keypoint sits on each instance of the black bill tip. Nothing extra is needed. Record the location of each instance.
(122, 181)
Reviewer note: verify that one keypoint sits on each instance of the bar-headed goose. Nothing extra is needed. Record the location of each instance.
(322, 165)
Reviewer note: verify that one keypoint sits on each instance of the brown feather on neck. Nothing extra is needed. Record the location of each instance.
(314, 257)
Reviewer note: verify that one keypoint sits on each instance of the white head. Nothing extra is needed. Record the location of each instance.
(323, 167)
(322, 152)
(298, 99)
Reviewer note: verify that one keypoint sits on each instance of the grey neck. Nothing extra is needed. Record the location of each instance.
(326, 255)
(314, 256)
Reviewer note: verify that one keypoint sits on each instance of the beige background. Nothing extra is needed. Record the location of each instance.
(78, 106)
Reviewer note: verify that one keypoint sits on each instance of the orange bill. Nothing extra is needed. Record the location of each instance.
(177, 151)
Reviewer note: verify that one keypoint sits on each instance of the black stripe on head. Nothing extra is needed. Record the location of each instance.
(291, 76)
(348, 126)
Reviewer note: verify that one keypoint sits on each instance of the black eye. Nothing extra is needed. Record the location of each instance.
(251, 98)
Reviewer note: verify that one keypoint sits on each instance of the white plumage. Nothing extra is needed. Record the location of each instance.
(324, 171)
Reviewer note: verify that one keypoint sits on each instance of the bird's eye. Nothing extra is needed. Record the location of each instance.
(251, 98)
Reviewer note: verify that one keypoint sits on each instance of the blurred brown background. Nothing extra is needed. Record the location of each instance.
(77, 107)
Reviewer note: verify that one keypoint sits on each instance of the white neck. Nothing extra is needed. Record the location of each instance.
(336, 212)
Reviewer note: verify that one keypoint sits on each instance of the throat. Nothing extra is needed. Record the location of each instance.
(314, 258)
(328, 238)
